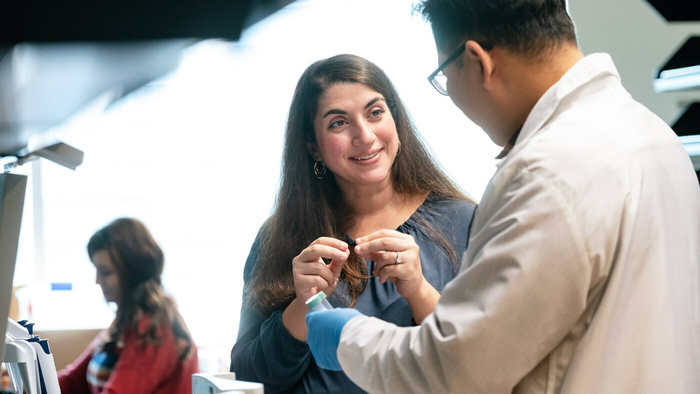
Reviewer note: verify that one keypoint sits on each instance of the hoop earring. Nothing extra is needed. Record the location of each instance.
(398, 151)
(319, 169)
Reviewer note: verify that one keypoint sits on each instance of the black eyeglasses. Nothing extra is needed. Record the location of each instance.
(438, 79)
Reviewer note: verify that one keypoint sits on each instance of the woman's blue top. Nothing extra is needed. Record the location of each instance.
(265, 351)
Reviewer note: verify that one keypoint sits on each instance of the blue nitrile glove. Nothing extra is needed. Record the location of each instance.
(324, 334)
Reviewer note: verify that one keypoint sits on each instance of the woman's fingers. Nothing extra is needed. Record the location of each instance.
(397, 259)
(324, 247)
(311, 273)
(382, 240)
(390, 272)
(306, 267)
(388, 247)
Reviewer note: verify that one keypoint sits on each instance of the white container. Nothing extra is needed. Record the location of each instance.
(214, 383)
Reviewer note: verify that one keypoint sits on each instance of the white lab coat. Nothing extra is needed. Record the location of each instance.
(582, 271)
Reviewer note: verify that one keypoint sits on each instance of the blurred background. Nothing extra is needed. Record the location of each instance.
(185, 134)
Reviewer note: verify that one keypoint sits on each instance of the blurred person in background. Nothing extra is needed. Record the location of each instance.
(147, 348)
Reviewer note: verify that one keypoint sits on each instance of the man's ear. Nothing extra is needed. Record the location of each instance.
(477, 53)
(313, 151)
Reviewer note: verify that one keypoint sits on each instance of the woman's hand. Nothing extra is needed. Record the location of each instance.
(312, 274)
(398, 260)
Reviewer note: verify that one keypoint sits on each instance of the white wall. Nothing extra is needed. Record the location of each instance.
(640, 42)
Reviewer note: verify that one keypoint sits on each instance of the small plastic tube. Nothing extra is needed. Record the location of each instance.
(318, 302)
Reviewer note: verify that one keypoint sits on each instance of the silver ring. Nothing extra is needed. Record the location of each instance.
(398, 257)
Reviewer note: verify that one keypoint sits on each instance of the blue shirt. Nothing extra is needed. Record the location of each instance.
(265, 351)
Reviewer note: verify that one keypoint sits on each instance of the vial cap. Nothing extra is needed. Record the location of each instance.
(315, 299)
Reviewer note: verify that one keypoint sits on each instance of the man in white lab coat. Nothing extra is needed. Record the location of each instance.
(582, 273)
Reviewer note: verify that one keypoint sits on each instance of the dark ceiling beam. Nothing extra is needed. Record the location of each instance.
(57, 56)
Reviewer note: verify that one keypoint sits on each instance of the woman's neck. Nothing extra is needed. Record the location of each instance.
(379, 208)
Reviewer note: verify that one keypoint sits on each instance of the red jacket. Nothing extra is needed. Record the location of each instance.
(139, 369)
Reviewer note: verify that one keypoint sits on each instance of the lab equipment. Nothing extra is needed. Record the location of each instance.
(318, 302)
(214, 383)
(29, 360)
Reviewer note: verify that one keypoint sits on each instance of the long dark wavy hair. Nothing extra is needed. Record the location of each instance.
(307, 208)
(138, 261)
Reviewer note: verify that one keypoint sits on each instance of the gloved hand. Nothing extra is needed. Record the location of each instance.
(324, 334)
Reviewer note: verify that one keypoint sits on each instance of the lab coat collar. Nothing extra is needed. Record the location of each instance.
(510, 144)
(584, 71)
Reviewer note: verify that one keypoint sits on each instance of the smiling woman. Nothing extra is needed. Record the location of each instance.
(356, 137)
(379, 189)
